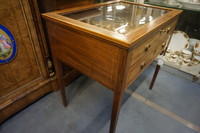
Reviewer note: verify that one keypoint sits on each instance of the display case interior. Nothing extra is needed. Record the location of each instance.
(117, 17)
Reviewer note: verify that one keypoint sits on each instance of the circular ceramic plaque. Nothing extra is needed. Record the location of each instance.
(8, 48)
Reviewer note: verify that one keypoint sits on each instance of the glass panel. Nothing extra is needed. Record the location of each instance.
(118, 17)
(183, 6)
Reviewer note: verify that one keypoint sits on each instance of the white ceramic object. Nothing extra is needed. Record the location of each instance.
(179, 41)
(192, 4)
(197, 48)
(196, 59)
(186, 61)
(172, 4)
(154, 0)
(173, 55)
(172, 60)
(169, 50)
(192, 42)
(186, 52)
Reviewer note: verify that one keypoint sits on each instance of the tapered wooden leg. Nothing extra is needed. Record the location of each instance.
(154, 77)
(159, 65)
(115, 110)
(59, 74)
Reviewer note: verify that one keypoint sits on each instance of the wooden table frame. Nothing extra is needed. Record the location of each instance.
(121, 68)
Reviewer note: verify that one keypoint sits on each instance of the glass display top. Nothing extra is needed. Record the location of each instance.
(118, 17)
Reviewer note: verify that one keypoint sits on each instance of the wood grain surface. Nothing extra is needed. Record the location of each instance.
(27, 72)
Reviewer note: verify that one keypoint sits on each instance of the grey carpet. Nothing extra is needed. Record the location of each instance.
(90, 105)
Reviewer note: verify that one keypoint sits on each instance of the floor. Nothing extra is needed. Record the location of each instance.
(173, 106)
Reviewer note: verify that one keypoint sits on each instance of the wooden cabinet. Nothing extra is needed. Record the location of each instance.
(46, 5)
(26, 78)
(30, 74)
(110, 42)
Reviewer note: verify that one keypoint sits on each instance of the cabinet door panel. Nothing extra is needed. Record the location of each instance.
(28, 66)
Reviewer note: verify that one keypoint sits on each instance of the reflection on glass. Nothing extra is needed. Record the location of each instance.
(118, 17)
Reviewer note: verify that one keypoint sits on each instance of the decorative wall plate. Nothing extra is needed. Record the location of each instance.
(179, 41)
(8, 48)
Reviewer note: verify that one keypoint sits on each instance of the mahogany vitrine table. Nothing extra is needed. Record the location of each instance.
(111, 42)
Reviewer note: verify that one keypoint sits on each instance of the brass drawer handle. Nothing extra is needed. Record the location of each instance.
(162, 30)
(147, 47)
(165, 30)
(142, 65)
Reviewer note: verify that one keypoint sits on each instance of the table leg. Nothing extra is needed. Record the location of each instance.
(154, 77)
(117, 99)
(159, 65)
(59, 74)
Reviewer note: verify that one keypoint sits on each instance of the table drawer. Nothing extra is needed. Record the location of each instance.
(144, 62)
(154, 40)
(142, 49)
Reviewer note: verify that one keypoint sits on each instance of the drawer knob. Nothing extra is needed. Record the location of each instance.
(142, 65)
(147, 47)
(168, 29)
